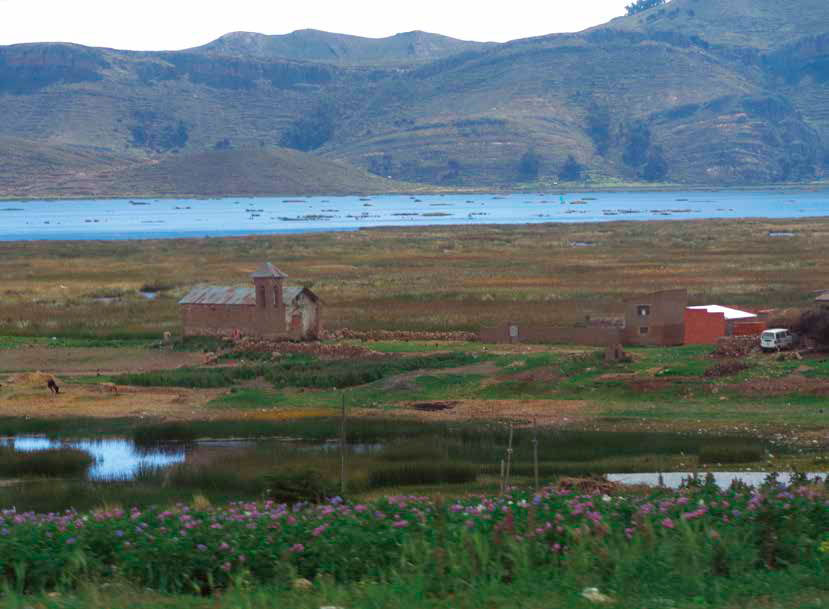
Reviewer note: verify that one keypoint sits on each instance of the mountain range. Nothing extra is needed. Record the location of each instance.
(697, 92)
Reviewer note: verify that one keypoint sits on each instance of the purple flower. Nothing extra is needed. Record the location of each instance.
(297, 548)
(226, 567)
(71, 541)
(224, 547)
(400, 524)
(319, 530)
(668, 523)
(119, 533)
(201, 547)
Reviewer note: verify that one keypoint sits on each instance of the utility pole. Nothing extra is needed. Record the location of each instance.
(342, 444)
(509, 459)
(535, 452)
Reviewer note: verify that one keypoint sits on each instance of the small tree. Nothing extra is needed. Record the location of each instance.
(529, 165)
(642, 5)
(656, 168)
(571, 171)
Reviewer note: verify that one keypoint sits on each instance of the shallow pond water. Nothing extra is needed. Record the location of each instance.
(115, 458)
(721, 479)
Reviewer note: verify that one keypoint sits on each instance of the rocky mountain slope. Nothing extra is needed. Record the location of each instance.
(714, 92)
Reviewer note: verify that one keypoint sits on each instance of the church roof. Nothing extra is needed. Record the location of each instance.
(266, 269)
(222, 295)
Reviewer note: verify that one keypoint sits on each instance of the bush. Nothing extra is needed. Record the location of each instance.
(299, 485)
(422, 473)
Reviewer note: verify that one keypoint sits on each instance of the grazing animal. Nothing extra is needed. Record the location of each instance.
(53, 386)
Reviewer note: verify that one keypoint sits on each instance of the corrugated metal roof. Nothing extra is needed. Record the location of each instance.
(728, 312)
(211, 294)
(268, 270)
(823, 297)
(221, 295)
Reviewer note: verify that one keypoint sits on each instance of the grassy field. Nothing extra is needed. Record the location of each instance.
(453, 278)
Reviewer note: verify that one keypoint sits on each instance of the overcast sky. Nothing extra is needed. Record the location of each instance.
(179, 24)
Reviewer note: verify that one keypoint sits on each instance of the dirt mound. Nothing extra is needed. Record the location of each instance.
(736, 346)
(588, 486)
(433, 406)
(401, 335)
(726, 369)
(32, 379)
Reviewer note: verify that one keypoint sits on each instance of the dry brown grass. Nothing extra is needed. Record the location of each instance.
(425, 278)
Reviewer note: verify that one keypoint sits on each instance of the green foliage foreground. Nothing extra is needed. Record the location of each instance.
(696, 543)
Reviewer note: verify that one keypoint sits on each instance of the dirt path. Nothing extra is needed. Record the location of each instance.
(399, 380)
(89, 360)
(520, 412)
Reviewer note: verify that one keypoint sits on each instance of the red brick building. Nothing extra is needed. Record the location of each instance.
(269, 309)
(704, 325)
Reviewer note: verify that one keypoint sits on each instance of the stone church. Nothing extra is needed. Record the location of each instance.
(269, 309)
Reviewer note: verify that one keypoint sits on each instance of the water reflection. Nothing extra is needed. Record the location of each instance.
(115, 458)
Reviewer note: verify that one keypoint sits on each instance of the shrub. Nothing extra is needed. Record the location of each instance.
(298, 485)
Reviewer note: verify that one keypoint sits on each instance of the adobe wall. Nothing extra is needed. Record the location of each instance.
(596, 336)
(665, 324)
(225, 320)
(704, 328)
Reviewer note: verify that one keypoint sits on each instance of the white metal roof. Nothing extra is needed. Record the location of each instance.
(728, 312)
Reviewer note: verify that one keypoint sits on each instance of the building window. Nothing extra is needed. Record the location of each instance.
(261, 296)
(513, 331)
(275, 296)
(643, 330)
(643, 310)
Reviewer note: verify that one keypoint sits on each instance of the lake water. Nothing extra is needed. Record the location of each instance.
(168, 218)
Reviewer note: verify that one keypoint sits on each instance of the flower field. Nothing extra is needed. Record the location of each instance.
(698, 542)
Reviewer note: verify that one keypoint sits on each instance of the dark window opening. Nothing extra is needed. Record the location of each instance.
(643, 310)
(261, 296)
(275, 296)
(643, 330)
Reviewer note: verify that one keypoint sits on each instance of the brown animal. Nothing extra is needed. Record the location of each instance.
(53, 386)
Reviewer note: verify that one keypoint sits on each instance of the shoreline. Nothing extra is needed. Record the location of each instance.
(427, 191)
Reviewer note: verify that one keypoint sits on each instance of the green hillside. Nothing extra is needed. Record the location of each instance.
(709, 92)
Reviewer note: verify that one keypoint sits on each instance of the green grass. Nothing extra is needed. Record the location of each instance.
(70, 342)
(296, 371)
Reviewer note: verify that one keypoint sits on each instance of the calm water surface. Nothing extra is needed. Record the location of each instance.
(168, 218)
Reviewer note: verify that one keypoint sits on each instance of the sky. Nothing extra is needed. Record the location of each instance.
(179, 24)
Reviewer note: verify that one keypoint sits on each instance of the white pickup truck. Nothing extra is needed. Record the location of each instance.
(777, 339)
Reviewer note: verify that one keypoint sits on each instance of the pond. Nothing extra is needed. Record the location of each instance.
(721, 479)
(170, 218)
(115, 458)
